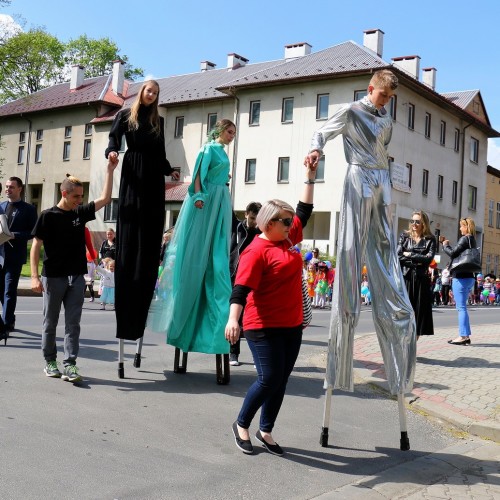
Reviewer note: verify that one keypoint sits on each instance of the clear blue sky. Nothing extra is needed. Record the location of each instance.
(459, 39)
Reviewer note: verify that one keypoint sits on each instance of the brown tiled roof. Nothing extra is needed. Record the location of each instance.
(93, 90)
(176, 191)
(347, 57)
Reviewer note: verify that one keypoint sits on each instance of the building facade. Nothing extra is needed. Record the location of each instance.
(438, 149)
(490, 251)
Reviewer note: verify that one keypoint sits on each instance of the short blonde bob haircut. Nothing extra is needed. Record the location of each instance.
(271, 210)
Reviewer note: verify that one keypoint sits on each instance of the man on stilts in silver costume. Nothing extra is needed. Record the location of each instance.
(366, 235)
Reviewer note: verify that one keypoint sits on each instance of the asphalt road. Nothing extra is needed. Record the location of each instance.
(158, 435)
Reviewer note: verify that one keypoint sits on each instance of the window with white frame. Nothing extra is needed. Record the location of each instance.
(250, 169)
(211, 121)
(456, 145)
(87, 145)
(66, 150)
(179, 126)
(488, 262)
(254, 115)
(391, 106)
(425, 181)
(454, 192)
(38, 153)
(88, 129)
(111, 211)
(359, 94)
(409, 166)
(67, 131)
(411, 116)
(474, 150)
(498, 216)
(283, 169)
(322, 102)
(20, 155)
(287, 110)
(491, 207)
(442, 133)
(427, 129)
(472, 197)
(320, 170)
(22, 137)
(39, 135)
(440, 186)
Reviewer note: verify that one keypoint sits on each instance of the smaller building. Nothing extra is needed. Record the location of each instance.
(490, 251)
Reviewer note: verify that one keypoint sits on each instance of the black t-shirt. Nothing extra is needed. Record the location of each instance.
(63, 236)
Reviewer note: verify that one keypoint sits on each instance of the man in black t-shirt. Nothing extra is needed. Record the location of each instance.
(61, 231)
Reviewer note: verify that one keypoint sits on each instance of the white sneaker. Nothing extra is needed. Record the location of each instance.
(233, 360)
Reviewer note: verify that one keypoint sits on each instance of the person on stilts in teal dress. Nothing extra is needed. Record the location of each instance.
(192, 299)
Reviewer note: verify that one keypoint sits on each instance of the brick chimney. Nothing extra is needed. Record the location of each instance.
(207, 66)
(409, 64)
(77, 72)
(118, 77)
(429, 77)
(374, 40)
(235, 61)
(297, 50)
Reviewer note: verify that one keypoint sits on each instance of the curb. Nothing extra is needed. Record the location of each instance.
(486, 429)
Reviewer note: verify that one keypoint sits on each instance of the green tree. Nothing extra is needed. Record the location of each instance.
(32, 60)
(97, 56)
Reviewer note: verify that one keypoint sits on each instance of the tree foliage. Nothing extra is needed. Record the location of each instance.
(32, 60)
(35, 59)
(97, 56)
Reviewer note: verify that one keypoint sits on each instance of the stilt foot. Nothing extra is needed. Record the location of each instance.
(121, 370)
(323, 439)
(405, 442)
(222, 367)
(180, 368)
(137, 360)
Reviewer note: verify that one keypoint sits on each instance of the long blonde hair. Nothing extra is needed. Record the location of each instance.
(154, 116)
(426, 225)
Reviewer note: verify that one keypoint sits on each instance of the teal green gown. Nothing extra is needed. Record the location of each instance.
(191, 303)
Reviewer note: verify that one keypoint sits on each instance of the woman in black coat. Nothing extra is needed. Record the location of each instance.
(141, 208)
(416, 249)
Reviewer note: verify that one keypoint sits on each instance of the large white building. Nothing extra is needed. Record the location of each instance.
(439, 144)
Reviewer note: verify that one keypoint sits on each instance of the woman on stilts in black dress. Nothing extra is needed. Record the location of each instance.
(416, 249)
(141, 208)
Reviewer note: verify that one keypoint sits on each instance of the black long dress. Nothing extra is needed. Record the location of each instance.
(417, 279)
(140, 222)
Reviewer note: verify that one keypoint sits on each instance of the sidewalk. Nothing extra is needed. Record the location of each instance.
(458, 384)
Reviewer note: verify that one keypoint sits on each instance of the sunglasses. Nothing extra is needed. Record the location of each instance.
(416, 222)
(287, 222)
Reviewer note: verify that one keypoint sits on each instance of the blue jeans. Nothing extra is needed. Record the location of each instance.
(68, 291)
(274, 358)
(9, 280)
(461, 288)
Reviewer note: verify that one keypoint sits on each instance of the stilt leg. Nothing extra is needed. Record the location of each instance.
(323, 440)
(137, 358)
(405, 442)
(182, 368)
(222, 368)
(121, 369)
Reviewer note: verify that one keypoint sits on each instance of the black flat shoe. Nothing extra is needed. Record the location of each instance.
(462, 342)
(274, 449)
(4, 336)
(245, 445)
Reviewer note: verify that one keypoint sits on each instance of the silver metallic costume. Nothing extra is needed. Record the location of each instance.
(366, 235)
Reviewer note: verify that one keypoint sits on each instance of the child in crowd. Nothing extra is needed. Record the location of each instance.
(311, 279)
(108, 284)
(321, 285)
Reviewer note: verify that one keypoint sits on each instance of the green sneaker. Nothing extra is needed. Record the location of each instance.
(51, 369)
(70, 374)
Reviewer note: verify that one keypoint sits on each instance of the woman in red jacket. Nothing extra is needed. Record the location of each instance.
(269, 282)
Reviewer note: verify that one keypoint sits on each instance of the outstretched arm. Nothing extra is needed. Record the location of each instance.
(105, 197)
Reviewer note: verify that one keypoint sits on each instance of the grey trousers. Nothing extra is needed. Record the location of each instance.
(67, 290)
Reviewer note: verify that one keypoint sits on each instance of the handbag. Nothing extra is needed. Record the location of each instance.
(5, 234)
(306, 305)
(469, 261)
